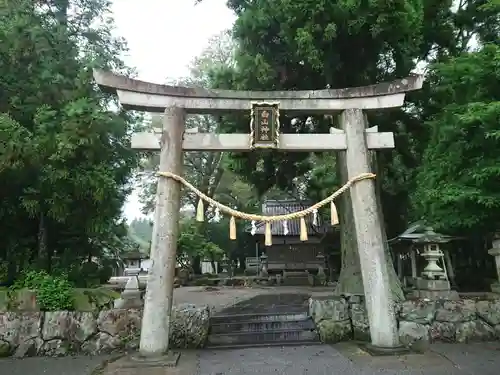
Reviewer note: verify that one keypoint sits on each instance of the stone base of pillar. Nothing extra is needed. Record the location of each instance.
(434, 289)
(436, 294)
(378, 351)
(495, 288)
(169, 359)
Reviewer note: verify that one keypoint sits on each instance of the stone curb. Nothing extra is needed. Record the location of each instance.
(99, 369)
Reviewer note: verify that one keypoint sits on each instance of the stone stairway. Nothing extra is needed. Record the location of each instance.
(293, 327)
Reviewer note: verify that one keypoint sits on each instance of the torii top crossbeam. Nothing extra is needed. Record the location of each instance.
(144, 96)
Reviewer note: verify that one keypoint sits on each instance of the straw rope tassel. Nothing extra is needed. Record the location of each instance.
(266, 219)
(268, 241)
(303, 229)
(334, 216)
(200, 211)
(232, 228)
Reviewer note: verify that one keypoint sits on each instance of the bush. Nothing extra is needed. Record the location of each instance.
(3, 272)
(90, 275)
(53, 292)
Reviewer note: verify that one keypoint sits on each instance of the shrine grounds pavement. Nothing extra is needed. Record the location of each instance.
(341, 359)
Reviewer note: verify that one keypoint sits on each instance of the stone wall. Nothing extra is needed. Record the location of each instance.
(421, 321)
(70, 332)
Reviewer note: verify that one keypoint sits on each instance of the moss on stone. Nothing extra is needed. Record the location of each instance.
(5, 350)
(331, 331)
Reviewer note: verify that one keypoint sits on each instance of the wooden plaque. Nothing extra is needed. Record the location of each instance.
(265, 125)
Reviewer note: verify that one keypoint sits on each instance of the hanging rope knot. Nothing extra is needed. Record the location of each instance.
(268, 219)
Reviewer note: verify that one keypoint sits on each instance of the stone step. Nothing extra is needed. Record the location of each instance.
(296, 273)
(292, 314)
(261, 326)
(269, 337)
(296, 281)
(266, 344)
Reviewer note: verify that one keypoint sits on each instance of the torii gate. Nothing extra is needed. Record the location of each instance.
(354, 139)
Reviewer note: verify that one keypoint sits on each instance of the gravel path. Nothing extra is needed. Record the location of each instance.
(346, 359)
(50, 366)
(342, 359)
(224, 297)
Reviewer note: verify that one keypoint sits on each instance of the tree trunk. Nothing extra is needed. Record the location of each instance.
(43, 255)
(242, 261)
(395, 282)
(196, 265)
(350, 278)
(214, 267)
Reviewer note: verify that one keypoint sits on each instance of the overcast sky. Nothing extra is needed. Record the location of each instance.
(164, 36)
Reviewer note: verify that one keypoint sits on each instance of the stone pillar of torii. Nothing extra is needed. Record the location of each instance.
(354, 138)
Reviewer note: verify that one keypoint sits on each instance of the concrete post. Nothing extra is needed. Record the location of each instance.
(400, 266)
(449, 266)
(495, 252)
(369, 236)
(159, 291)
(413, 255)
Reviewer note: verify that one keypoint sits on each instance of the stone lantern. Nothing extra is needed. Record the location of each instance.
(321, 264)
(434, 281)
(263, 262)
(224, 263)
(432, 254)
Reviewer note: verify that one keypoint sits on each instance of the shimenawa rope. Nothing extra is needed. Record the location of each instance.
(268, 219)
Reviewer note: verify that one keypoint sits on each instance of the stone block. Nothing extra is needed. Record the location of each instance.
(456, 311)
(489, 311)
(121, 323)
(436, 294)
(418, 311)
(72, 326)
(411, 333)
(23, 300)
(331, 331)
(442, 331)
(5, 350)
(335, 309)
(60, 333)
(190, 326)
(436, 285)
(475, 330)
(360, 324)
(19, 327)
(495, 288)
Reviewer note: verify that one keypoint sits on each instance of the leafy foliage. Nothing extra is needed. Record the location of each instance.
(54, 293)
(192, 243)
(446, 138)
(65, 160)
(458, 180)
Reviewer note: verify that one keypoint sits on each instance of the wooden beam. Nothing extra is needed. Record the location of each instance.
(241, 142)
(150, 102)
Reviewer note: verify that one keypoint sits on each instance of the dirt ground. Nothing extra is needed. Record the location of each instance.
(218, 298)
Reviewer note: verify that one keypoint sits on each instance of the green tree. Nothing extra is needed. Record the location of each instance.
(310, 45)
(65, 160)
(193, 244)
(458, 180)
